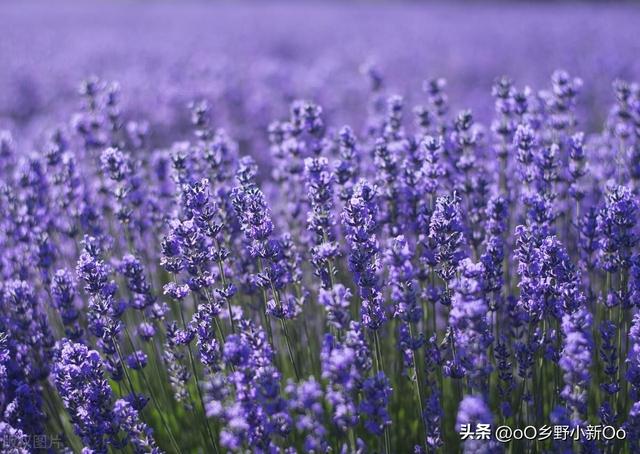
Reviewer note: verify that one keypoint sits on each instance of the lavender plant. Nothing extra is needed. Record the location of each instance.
(250, 273)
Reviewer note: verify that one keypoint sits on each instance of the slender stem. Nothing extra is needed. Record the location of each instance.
(219, 328)
(197, 380)
(378, 354)
(204, 413)
(122, 364)
(312, 360)
(151, 393)
(417, 384)
(159, 371)
(289, 349)
(223, 278)
(276, 296)
(52, 410)
(352, 440)
(267, 321)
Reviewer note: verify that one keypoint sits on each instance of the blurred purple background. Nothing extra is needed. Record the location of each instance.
(164, 54)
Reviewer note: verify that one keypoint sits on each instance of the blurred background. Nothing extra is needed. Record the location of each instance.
(251, 59)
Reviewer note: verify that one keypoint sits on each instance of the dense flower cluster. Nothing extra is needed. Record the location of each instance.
(324, 278)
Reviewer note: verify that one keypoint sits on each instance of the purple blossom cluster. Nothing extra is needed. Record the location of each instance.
(320, 260)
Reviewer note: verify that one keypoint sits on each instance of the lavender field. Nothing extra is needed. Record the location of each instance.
(360, 227)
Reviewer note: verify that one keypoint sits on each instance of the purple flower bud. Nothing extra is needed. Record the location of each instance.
(137, 360)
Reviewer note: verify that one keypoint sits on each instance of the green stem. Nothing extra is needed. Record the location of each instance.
(224, 284)
(151, 393)
(204, 413)
(289, 349)
(197, 380)
(380, 368)
(416, 381)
